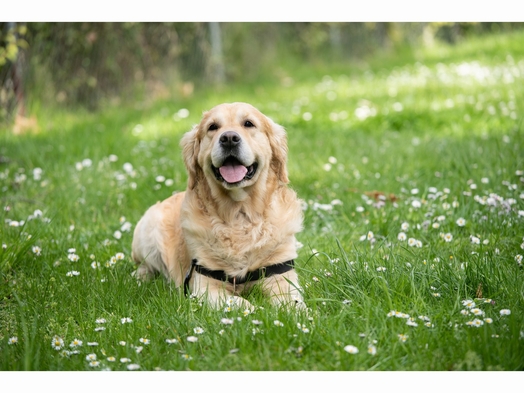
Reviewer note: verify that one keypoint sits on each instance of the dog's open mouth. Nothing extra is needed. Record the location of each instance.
(233, 171)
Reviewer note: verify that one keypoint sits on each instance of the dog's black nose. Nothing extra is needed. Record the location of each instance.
(230, 139)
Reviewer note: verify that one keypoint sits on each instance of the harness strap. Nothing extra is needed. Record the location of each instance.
(250, 276)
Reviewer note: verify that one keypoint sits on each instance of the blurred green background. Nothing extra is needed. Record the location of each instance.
(98, 64)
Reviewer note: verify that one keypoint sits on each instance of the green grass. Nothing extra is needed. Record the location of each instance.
(441, 121)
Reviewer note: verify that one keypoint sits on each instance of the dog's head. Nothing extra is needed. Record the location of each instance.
(234, 147)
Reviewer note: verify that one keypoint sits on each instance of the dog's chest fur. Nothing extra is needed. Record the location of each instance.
(244, 240)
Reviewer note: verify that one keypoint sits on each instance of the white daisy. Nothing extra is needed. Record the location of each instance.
(461, 222)
(351, 349)
(57, 343)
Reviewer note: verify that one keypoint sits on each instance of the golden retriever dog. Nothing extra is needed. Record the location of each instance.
(235, 225)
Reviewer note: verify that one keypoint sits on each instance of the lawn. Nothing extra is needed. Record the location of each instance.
(412, 173)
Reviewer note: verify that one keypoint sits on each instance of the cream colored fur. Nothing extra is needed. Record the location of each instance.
(236, 228)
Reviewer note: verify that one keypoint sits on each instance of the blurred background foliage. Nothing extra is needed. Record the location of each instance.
(92, 64)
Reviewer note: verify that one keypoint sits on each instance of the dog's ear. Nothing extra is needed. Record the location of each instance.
(278, 142)
(190, 149)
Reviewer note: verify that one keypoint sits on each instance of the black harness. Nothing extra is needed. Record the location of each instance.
(250, 276)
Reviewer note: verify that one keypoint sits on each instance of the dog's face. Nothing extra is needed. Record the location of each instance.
(234, 147)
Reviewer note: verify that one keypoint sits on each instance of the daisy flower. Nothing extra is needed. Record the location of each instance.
(351, 349)
(476, 323)
(12, 340)
(488, 320)
(505, 312)
(227, 321)
(192, 339)
(125, 360)
(144, 341)
(461, 222)
(370, 235)
(111, 359)
(72, 273)
(402, 236)
(122, 343)
(231, 301)
(464, 312)
(75, 343)
(119, 256)
(416, 204)
(94, 363)
(92, 344)
(100, 328)
(198, 330)
(404, 226)
(256, 322)
(411, 322)
(403, 337)
(412, 242)
(133, 367)
(474, 240)
(448, 237)
(468, 303)
(278, 323)
(185, 356)
(91, 357)
(171, 340)
(126, 320)
(381, 269)
(57, 343)
(477, 311)
(37, 250)
(372, 350)
(73, 257)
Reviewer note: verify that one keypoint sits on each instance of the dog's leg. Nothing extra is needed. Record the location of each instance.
(217, 294)
(284, 290)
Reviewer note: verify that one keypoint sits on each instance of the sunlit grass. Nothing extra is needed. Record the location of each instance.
(413, 179)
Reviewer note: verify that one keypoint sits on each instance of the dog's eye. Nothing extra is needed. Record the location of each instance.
(213, 127)
(248, 124)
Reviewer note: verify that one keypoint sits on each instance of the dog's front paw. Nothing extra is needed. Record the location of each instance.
(142, 273)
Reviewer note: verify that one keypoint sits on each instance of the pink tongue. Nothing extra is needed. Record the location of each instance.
(233, 173)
